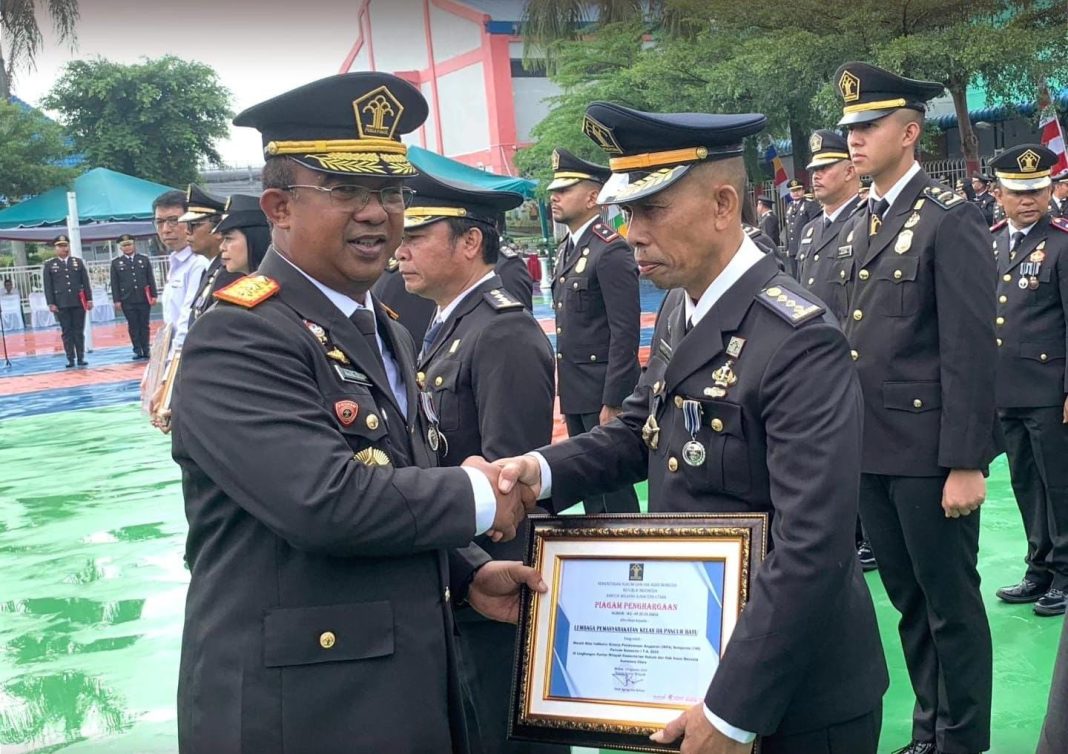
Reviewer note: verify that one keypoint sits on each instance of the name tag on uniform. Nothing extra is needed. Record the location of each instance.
(351, 375)
(844, 251)
(665, 349)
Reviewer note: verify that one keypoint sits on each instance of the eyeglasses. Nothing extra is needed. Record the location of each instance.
(194, 224)
(169, 222)
(354, 198)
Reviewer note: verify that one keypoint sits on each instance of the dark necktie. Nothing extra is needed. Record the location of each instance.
(1017, 239)
(566, 254)
(826, 222)
(431, 334)
(364, 319)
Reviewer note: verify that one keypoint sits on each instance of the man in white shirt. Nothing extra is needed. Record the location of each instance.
(749, 403)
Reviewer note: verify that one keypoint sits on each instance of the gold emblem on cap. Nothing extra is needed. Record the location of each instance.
(377, 114)
(556, 160)
(601, 134)
(849, 86)
(1028, 161)
(815, 142)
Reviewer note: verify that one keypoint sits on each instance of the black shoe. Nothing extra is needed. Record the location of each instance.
(918, 747)
(866, 556)
(70, 364)
(83, 363)
(1025, 591)
(1051, 603)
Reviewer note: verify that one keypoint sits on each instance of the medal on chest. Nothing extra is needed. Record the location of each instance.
(434, 436)
(693, 452)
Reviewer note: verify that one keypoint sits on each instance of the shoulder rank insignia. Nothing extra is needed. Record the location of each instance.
(750, 230)
(508, 252)
(389, 312)
(249, 291)
(499, 299)
(941, 197)
(392, 264)
(998, 226)
(792, 306)
(1060, 223)
(603, 232)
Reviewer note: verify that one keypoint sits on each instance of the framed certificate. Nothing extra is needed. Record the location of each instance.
(630, 633)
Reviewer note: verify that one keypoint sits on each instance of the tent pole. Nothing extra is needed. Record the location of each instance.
(75, 233)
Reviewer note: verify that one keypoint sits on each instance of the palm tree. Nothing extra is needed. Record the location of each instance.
(548, 21)
(18, 25)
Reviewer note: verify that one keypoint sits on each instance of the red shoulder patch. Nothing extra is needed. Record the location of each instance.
(249, 291)
(1060, 223)
(603, 232)
(998, 226)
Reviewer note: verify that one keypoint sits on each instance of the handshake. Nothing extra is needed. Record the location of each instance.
(516, 484)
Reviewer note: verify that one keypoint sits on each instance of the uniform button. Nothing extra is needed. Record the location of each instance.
(327, 639)
(1000, 321)
(575, 285)
(855, 355)
(999, 341)
(897, 274)
(562, 279)
(858, 315)
(448, 595)
(917, 403)
(656, 387)
(841, 274)
(593, 357)
(1002, 299)
(816, 258)
(1007, 278)
(673, 464)
(678, 401)
(438, 381)
(812, 280)
(372, 421)
(717, 425)
(559, 330)
(559, 356)
(864, 275)
(1043, 357)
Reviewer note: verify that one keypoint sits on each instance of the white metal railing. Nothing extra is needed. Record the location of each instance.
(29, 279)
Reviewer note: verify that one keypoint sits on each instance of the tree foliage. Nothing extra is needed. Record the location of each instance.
(156, 119)
(21, 36)
(780, 58)
(32, 149)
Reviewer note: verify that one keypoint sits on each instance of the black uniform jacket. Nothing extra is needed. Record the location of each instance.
(798, 215)
(65, 282)
(784, 440)
(920, 321)
(130, 276)
(515, 278)
(318, 617)
(598, 321)
(815, 260)
(1032, 311)
(490, 374)
(214, 278)
(769, 226)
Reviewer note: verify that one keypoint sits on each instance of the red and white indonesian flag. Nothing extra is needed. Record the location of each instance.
(1053, 139)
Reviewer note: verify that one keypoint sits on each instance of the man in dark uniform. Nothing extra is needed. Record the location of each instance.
(69, 295)
(1031, 250)
(1058, 203)
(799, 213)
(415, 312)
(769, 221)
(133, 289)
(203, 212)
(1054, 737)
(835, 183)
(487, 368)
(323, 562)
(749, 403)
(598, 312)
(921, 325)
(983, 198)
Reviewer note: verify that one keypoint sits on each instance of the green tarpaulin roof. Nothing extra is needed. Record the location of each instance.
(451, 170)
(103, 196)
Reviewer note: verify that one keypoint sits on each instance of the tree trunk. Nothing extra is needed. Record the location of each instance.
(969, 142)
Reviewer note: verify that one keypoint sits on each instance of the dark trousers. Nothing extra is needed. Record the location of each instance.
(622, 500)
(1054, 738)
(857, 736)
(137, 325)
(487, 656)
(1036, 443)
(72, 326)
(928, 565)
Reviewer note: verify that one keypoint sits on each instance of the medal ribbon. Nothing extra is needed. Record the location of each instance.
(691, 413)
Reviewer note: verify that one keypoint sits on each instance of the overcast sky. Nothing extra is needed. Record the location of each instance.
(258, 47)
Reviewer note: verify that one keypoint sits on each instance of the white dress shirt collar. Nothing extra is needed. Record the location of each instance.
(345, 303)
(578, 233)
(897, 188)
(747, 255)
(444, 314)
(850, 202)
(1025, 231)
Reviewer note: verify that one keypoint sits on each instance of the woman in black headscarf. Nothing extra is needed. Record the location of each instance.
(245, 234)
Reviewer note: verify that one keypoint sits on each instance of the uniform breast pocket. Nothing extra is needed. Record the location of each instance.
(357, 416)
(442, 380)
(577, 291)
(726, 463)
(327, 633)
(899, 291)
(1047, 291)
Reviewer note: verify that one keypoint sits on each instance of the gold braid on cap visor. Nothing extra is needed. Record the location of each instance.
(373, 146)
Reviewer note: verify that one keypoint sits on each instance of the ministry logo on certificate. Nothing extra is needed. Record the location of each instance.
(619, 646)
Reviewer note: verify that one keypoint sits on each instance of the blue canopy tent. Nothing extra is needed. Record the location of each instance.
(109, 204)
(451, 170)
